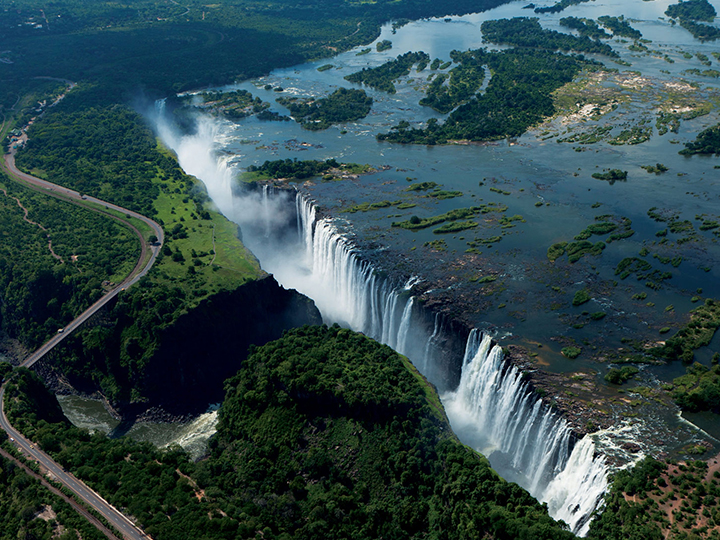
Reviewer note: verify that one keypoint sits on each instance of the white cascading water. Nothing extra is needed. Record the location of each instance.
(353, 294)
(491, 410)
(494, 411)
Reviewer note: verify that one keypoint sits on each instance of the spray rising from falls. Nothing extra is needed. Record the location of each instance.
(495, 411)
(492, 409)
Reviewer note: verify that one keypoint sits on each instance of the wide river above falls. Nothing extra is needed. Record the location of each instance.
(526, 298)
(548, 184)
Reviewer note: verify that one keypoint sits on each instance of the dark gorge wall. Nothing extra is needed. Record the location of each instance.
(206, 346)
(193, 356)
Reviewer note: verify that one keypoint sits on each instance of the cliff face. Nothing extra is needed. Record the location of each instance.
(449, 341)
(192, 358)
(207, 345)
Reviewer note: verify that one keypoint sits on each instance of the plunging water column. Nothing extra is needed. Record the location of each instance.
(491, 408)
(495, 411)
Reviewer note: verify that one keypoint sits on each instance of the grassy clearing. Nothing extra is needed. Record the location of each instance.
(202, 251)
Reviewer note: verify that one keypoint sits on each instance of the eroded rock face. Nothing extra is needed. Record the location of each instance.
(575, 395)
(208, 344)
(200, 350)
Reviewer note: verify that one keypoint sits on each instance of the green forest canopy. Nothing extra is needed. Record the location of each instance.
(154, 48)
(323, 434)
(517, 96)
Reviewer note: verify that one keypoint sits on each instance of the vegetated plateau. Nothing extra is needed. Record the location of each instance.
(384, 465)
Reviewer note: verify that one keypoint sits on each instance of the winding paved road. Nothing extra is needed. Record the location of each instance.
(70, 195)
(83, 493)
(71, 501)
(147, 259)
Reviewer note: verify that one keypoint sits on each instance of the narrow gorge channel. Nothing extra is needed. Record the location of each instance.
(489, 405)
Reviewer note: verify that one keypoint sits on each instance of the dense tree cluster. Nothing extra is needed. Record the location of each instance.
(463, 82)
(292, 168)
(656, 500)
(619, 27)
(517, 97)
(106, 152)
(559, 6)
(323, 434)
(698, 389)
(692, 10)
(382, 77)
(612, 176)
(236, 104)
(30, 511)
(704, 322)
(621, 519)
(40, 293)
(706, 142)
(703, 32)
(156, 49)
(621, 375)
(585, 27)
(343, 105)
(527, 32)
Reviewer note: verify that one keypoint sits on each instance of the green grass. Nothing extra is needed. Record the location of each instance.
(222, 267)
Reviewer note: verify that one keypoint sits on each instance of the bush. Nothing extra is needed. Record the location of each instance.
(619, 376)
(581, 297)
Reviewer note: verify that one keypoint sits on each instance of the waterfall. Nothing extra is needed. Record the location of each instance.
(404, 330)
(577, 491)
(494, 411)
(351, 292)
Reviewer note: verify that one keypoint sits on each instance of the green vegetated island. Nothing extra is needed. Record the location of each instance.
(342, 105)
(517, 96)
(691, 15)
(323, 433)
(294, 169)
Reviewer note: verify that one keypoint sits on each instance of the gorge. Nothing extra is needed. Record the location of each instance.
(488, 404)
(521, 201)
(308, 246)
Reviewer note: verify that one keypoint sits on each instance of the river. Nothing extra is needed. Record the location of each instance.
(547, 183)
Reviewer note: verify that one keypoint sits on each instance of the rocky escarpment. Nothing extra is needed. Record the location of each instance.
(195, 354)
(207, 345)
(575, 395)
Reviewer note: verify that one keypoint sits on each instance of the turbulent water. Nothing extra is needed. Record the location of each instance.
(191, 436)
(494, 411)
(491, 409)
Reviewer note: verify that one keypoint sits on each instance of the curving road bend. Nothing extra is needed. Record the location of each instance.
(118, 520)
(138, 272)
